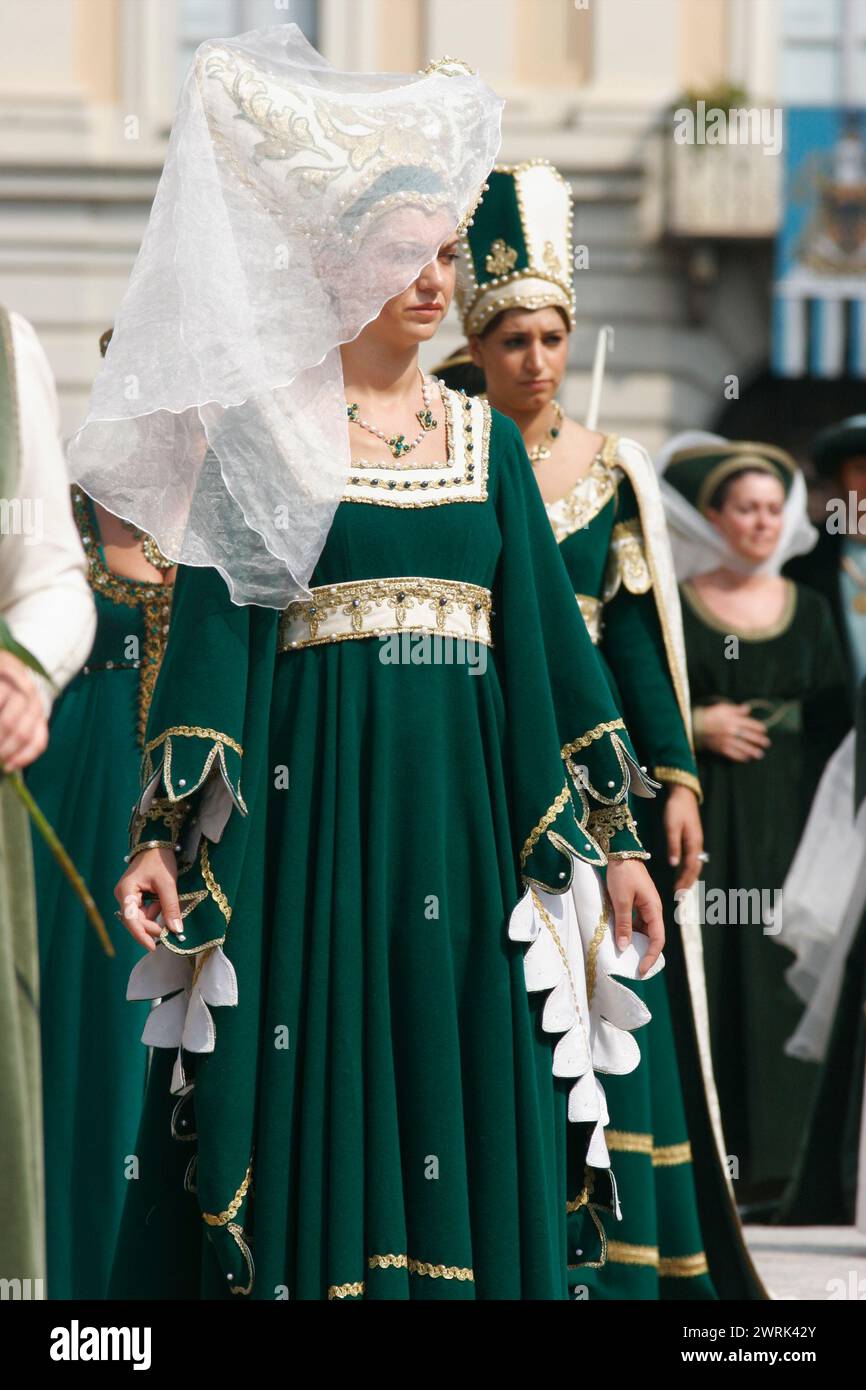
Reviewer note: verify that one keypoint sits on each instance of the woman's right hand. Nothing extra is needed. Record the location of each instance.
(731, 731)
(152, 871)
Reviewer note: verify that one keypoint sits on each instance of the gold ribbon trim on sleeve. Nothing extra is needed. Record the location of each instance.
(627, 561)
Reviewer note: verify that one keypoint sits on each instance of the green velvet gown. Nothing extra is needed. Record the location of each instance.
(364, 1098)
(679, 1237)
(93, 1063)
(754, 814)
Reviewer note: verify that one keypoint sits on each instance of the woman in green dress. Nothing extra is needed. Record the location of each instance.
(93, 1065)
(679, 1237)
(768, 690)
(361, 1085)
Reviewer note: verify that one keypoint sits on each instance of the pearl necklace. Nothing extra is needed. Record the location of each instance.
(397, 442)
(542, 450)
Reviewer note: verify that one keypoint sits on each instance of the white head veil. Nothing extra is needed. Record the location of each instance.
(696, 544)
(295, 201)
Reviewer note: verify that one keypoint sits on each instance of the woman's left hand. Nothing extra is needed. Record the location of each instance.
(684, 833)
(632, 890)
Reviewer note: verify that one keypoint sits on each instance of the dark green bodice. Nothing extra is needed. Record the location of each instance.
(598, 527)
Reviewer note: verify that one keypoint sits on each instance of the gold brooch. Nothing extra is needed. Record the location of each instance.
(500, 258)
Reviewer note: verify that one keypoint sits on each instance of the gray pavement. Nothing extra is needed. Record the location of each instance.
(810, 1262)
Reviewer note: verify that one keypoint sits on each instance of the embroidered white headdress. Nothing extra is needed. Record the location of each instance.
(295, 201)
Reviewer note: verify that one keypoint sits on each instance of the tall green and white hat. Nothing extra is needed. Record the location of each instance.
(517, 251)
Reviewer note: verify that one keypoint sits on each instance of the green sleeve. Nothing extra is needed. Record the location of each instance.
(209, 709)
(570, 757)
(634, 646)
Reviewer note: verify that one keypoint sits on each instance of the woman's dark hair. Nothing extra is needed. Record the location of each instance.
(720, 495)
(460, 373)
(489, 327)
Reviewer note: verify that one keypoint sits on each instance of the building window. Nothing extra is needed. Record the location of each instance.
(823, 52)
(213, 19)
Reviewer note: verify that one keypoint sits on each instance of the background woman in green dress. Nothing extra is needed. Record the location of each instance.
(93, 1065)
(378, 1105)
(679, 1237)
(768, 689)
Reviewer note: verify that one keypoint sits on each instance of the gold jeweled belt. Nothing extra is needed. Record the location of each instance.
(372, 607)
(592, 609)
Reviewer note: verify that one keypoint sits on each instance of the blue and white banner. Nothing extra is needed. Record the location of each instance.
(819, 294)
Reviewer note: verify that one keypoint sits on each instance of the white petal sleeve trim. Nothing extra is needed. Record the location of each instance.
(194, 984)
(573, 954)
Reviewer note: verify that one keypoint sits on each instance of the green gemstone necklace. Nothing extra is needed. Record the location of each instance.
(397, 442)
(542, 450)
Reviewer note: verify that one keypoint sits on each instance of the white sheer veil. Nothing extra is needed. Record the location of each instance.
(218, 421)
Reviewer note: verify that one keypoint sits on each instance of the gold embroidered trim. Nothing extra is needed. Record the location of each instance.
(221, 742)
(663, 1156)
(683, 1266)
(591, 610)
(551, 927)
(684, 779)
(593, 1209)
(585, 499)
(237, 1234)
(595, 947)
(346, 1290)
(584, 1196)
(500, 258)
(213, 887)
(621, 1253)
(423, 1267)
(625, 1141)
(586, 739)
(671, 1155)
(627, 561)
(669, 1267)
(547, 819)
(579, 1201)
(234, 1206)
(386, 487)
(193, 731)
(170, 813)
(605, 822)
(153, 596)
(375, 607)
